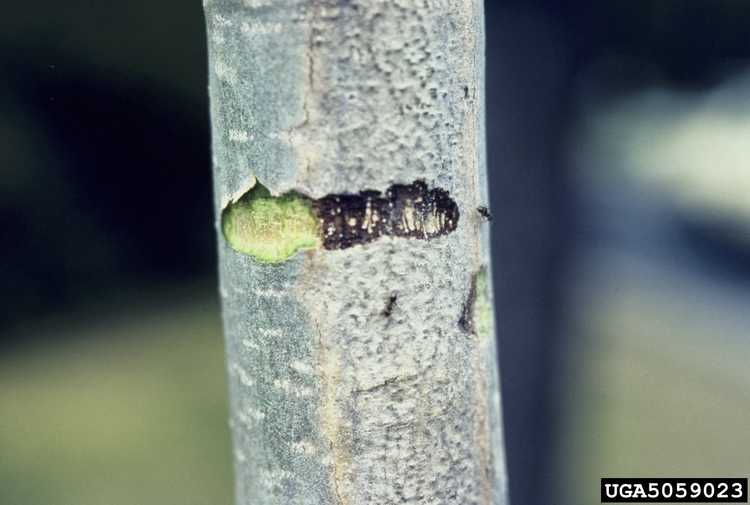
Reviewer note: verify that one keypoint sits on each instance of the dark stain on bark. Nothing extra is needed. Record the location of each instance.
(390, 304)
(466, 319)
(405, 210)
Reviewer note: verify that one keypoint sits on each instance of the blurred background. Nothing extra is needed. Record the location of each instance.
(619, 134)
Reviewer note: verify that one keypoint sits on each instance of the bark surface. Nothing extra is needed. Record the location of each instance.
(364, 374)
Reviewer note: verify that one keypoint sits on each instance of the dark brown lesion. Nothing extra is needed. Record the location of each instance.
(405, 210)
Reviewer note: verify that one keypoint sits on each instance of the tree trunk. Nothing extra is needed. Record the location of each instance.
(350, 191)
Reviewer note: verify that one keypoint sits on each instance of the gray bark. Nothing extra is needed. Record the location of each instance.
(365, 374)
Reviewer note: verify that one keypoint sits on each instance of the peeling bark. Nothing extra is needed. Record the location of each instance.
(358, 374)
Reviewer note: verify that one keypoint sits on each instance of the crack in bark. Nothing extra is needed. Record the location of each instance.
(466, 319)
(387, 382)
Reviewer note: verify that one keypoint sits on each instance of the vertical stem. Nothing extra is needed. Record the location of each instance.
(362, 369)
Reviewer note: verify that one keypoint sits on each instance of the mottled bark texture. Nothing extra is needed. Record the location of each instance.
(364, 374)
